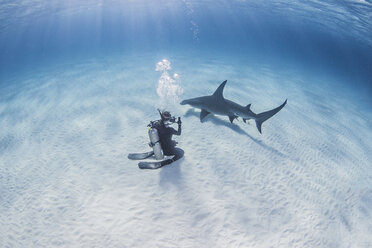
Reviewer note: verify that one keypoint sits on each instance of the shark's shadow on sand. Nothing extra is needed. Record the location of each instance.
(236, 128)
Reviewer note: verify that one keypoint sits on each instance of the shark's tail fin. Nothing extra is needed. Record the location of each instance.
(266, 115)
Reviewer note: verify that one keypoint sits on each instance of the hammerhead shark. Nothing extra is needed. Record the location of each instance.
(217, 104)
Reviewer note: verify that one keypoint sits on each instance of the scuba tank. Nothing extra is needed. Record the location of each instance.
(155, 142)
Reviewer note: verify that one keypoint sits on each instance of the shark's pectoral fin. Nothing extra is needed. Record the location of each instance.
(245, 120)
(232, 118)
(203, 114)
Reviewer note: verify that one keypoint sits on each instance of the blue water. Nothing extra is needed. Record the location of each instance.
(328, 37)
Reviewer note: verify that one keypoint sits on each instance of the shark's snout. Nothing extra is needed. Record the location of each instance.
(184, 102)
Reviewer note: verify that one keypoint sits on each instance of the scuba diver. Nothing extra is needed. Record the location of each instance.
(160, 133)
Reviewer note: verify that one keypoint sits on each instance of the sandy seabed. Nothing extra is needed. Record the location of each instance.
(65, 180)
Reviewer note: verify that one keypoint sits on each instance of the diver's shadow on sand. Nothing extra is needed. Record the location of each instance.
(217, 121)
(171, 175)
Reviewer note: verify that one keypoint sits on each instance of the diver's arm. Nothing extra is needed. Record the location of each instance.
(179, 130)
(174, 132)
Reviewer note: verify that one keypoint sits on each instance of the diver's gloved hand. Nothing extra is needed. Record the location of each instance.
(179, 122)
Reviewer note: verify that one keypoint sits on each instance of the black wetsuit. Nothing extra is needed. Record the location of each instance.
(167, 144)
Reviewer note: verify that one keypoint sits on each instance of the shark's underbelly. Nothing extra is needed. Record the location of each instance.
(219, 110)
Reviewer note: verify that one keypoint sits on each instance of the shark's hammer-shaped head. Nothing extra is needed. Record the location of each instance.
(194, 102)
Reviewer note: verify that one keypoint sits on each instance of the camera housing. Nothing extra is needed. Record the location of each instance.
(172, 119)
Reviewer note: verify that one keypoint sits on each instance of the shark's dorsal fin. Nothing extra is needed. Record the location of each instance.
(203, 114)
(248, 107)
(219, 91)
